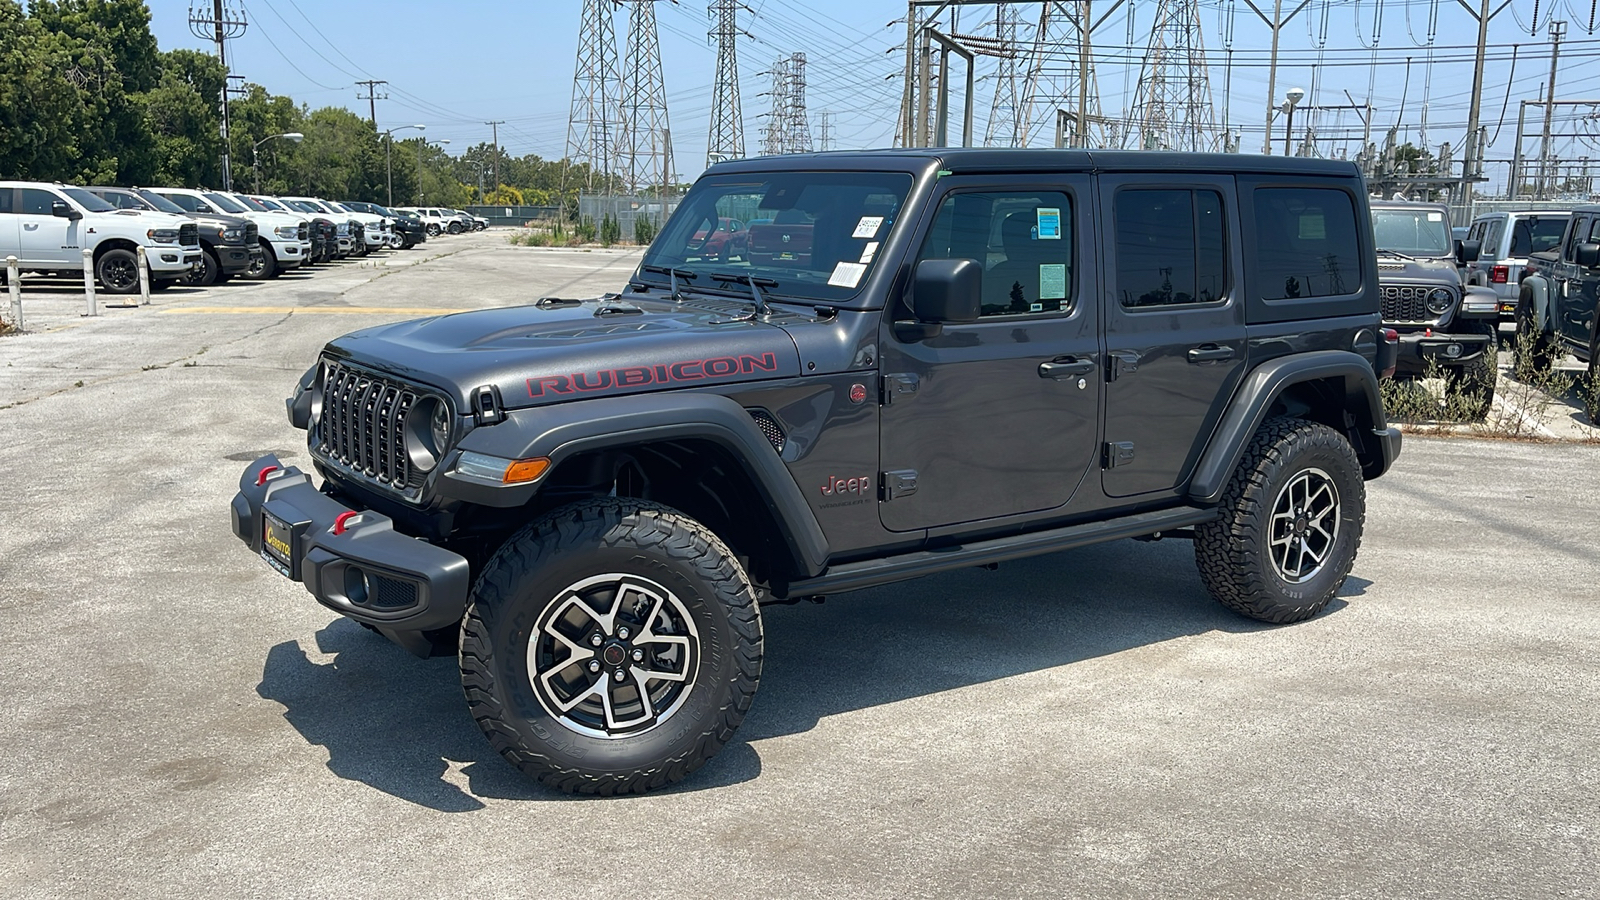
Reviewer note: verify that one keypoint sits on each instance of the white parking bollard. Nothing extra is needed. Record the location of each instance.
(144, 278)
(14, 281)
(88, 282)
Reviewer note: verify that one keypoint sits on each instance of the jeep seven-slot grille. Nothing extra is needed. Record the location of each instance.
(362, 427)
(1404, 303)
(189, 234)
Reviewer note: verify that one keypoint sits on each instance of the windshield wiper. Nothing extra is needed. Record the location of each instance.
(673, 273)
(756, 282)
(1396, 253)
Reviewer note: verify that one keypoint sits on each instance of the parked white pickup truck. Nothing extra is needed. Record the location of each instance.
(48, 226)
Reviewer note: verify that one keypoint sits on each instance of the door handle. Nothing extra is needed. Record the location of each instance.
(1062, 369)
(1209, 353)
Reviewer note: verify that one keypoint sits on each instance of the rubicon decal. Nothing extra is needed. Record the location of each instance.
(638, 376)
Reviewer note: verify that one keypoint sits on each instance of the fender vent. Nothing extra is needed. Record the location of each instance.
(769, 426)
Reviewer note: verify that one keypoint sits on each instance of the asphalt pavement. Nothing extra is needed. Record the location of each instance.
(181, 722)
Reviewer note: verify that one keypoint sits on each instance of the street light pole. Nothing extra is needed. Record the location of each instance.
(388, 148)
(255, 159)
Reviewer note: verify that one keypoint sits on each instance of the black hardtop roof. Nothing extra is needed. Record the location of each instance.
(990, 159)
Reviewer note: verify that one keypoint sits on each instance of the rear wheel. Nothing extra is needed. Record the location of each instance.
(1535, 353)
(611, 647)
(1290, 525)
(1589, 388)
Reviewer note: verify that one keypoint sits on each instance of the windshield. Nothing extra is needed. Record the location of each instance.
(87, 200)
(161, 203)
(1414, 232)
(226, 203)
(250, 203)
(1536, 234)
(816, 234)
(303, 206)
(271, 204)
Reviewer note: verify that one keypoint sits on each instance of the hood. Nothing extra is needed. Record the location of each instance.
(546, 353)
(1422, 270)
(269, 219)
(220, 219)
(153, 218)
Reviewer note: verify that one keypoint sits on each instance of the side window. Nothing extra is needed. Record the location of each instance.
(1594, 232)
(1579, 228)
(184, 200)
(1306, 243)
(1022, 239)
(1492, 232)
(36, 202)
(1170, 247)
(5, 200)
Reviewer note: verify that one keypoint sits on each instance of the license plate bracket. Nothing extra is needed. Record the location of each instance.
(280, 543)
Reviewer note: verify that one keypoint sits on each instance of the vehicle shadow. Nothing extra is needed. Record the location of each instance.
(400, 725)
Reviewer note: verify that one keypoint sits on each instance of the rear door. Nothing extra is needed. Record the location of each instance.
(1570, 324)
(1174, 323)
(997, 417)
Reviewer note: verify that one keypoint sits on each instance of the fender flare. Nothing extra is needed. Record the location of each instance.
(561, 431)
(1375, 443)
(1536, 290)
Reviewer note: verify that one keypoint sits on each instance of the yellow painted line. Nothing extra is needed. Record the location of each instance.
(315, 310)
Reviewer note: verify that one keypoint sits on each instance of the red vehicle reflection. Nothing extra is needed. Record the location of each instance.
(728, 241)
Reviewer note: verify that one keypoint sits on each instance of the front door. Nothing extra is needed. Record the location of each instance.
(47, 239)
(1174, 314)
(997, 417)
(8, 224)
(1580, 296)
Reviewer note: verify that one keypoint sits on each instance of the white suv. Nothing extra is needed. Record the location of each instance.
(285, 238)
(48, 226)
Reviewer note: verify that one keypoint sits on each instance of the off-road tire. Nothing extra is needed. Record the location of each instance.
(1469, 388)
(1233, 552)
(534, 570)
(1534, 355)
(1589, 387)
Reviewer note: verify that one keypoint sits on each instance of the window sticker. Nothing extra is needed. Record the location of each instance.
(1435, 217)
(1049, 219)
(1313, 227)
(1052, 282)
(1035, 307)
(868, 252)
(868, 227)
(847, 274)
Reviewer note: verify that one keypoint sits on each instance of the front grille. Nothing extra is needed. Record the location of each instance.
(389, 594)
(769, 426)
(189, 234)
(362, 427)
(1406, 303)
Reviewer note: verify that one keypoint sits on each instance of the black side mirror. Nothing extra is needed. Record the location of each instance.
(62, 211)
(947, 291)
(1468, 251)
(1587, 255)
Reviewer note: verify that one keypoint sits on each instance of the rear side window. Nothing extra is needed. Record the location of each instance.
(1536, 234)
(5, 200)
(1170, 247)
(1306, 243)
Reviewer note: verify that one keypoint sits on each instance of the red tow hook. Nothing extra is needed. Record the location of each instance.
(261, 477)
(340, 520)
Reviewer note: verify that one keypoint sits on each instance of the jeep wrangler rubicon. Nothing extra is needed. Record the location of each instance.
(925, 360)
(1558, 307)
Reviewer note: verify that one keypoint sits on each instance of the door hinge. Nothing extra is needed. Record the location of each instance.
(1120, 363)
(897, 484)
(1118, 453)
(899, 384)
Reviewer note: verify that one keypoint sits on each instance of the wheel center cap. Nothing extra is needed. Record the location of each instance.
(614, 655)
(1301, 524)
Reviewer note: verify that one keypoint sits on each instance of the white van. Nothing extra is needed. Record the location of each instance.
(48, 226)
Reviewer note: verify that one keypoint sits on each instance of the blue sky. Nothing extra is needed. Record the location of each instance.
(455, 65)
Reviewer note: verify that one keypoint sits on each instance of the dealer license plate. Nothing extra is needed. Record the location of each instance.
(277, 544)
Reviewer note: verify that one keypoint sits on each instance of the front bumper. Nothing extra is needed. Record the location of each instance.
(236, 258)
(1419, 349)
(368, 572)
(172, 260)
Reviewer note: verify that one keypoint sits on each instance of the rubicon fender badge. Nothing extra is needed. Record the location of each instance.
(858, 393)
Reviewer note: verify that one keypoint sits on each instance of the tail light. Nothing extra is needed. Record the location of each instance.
(1499, 274)
(1388, 353)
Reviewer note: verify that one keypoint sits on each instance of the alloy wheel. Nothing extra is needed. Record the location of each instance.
(1305, 525)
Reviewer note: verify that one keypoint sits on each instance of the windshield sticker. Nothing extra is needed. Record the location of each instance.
(1053, 281)
(868, 227)
(847, 274)
(1049, 226)
(868, 252)
(1435, 217)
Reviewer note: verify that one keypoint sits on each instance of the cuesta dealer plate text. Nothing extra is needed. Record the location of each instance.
(277, 544)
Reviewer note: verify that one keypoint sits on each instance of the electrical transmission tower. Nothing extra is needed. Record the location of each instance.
(644, 103)
(1171, 107)
(726, 140)
(1063, 95)
(1004, 128)
(594, 126)
(797, 132)
(222, 22)
(825, 138)
(774, 142)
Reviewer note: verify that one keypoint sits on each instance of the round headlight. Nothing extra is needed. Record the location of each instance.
(427, 433)
(1439, 300)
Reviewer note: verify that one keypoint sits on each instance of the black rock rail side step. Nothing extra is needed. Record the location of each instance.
(873, 572)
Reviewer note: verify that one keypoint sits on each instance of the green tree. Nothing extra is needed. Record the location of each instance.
(42, 117)
(181, 115)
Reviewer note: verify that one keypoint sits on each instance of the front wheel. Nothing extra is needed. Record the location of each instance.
(263, 266)
(1534, 353)
(1290, 524)
(118, 271)
(613, 646)
(455, 227)
(1469, 388)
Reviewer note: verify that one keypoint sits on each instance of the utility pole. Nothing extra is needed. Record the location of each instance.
(495, 130)
(727, 116)
(372, 99)
(219, 24)
(1470, 160)
(1558, 30)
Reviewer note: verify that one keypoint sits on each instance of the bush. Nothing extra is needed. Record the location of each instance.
(584, 230)
(610, 230)
(644, 230)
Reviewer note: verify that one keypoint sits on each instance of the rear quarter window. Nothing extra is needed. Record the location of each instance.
(1306, 243)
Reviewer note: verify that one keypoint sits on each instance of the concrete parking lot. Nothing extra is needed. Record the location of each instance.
(182, 722)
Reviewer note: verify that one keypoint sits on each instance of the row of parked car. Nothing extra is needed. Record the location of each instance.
(199, 237)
